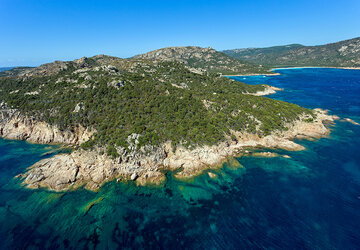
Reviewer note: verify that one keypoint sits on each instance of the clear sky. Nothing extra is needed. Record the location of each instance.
(35, 32)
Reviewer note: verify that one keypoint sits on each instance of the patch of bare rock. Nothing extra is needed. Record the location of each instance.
(269, 90)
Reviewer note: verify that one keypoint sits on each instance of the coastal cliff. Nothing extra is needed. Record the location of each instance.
(14, 125)
(92, 168)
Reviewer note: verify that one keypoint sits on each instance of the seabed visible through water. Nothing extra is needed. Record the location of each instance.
(308, 201)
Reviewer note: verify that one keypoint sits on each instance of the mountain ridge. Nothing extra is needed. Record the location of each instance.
(344, 53)
(207, 59)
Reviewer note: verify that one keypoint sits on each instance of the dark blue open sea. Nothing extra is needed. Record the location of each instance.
(5, 68)
(311, 201)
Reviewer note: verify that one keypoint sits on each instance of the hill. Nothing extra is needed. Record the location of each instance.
(205, 59)
(133, 118)
(340, 54)
(139, 96)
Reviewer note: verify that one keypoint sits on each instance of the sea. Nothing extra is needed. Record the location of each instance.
(5, 68)
(308, 201)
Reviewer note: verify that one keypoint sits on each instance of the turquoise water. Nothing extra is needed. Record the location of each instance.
(310, 201)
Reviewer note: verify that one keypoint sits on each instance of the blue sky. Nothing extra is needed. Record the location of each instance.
(35, 32)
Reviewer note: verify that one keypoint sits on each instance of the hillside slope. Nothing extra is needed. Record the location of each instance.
(340, 54)
(205, 59)
(163, 100)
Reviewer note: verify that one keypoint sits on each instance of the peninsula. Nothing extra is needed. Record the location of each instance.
(133, 119)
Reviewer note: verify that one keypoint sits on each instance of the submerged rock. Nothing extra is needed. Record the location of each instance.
(350, 120)
(264, 154)
(212, 175)
(232, 162)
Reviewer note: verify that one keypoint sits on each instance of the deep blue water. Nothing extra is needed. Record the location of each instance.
(310, 201)
(5, 68)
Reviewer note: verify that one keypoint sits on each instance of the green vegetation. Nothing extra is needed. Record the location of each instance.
(12, 71)
(160, 101)
(341, 54)
(206, 59)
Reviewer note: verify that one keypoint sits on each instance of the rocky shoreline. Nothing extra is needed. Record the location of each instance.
(269, 90)
(92, 168)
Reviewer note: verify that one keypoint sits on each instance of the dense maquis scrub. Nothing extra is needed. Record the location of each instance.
(161, 101)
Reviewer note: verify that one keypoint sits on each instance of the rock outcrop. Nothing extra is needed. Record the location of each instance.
(269, 90)
(92, 168)
(14, 125)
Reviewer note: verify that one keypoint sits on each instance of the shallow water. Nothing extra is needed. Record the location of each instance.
(308, 201)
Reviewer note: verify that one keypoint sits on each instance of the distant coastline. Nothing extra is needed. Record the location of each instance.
(317, 67)
(252, 74)
(5, 68)
(304, 67)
